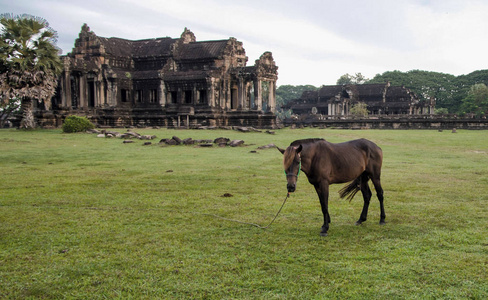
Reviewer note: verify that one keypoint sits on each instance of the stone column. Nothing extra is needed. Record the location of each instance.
(226, 94)
(111, 93)
(241, 94)
(162, 96)
(102, 89)
(66, 90)
(195, 95)
(271, 96)
(258, 95)
(83, 91)
(211, 93)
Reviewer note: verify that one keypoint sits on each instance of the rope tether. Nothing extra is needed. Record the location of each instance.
(256, 225)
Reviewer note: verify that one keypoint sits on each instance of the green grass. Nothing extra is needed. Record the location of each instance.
(86, 217)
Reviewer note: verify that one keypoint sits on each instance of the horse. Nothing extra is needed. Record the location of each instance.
(326, 163)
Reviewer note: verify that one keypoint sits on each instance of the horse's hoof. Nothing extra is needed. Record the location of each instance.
(358, 223)
(382, 223)
(323, 234)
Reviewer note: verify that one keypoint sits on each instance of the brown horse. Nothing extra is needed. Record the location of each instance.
(326, 163)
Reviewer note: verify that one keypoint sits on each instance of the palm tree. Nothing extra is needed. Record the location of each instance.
(29, 63)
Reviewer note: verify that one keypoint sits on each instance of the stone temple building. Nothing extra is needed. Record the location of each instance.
(169, 82)
(381, 99)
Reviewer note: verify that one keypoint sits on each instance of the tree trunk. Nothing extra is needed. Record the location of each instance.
(27, 114)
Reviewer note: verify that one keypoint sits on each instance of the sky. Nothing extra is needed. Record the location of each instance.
(312, 41)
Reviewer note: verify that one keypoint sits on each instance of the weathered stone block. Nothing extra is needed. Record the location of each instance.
(236, 143)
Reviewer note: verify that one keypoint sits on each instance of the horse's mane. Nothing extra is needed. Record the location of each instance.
(288, 156)
(305, 141)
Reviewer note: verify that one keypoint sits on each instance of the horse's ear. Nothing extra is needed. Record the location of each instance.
(281, 150)
(299, 149)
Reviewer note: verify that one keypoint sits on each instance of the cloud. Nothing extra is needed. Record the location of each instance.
(450, 39)
(312, 41)
(298, 45)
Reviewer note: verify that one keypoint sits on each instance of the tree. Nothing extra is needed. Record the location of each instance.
(29, 62)
(7, 108)
(425, 84)
(351, 79)
(359, 109)
(286, 93)
(477, 100)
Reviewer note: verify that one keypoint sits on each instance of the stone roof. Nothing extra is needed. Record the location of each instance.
(153, 47)
(188, 75)
(370, 89)
(398, 93)
(140, 48)
(329, 91)
(116, 46)
(202, 50)
(148, 74)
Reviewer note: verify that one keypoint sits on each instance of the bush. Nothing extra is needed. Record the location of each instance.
(77, 124)
(359, 109)
(441, 111)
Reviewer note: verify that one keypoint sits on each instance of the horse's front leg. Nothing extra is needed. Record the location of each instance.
(322, 189)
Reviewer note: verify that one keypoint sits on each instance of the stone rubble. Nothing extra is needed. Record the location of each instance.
(129, 136)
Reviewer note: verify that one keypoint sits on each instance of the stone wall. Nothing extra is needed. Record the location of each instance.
(157, 117)
(396, 122)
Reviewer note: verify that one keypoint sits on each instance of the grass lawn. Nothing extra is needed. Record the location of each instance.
(90, 218)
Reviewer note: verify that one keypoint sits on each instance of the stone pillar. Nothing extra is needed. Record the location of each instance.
(163, 95)
(241, 94)
(227, 94)
(248, 95)
(83, 91)
(211, 93)
(195, 96)
(66, 90)
(111, 93)
(271, 97)
(102, 88)
(258, 95)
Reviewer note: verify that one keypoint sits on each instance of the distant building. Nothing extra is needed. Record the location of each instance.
(381, 99)
(166, 82)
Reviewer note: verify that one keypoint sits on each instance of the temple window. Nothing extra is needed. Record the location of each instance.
(188, 97)
(153, 96)
(202, 97)
(124, 95)
(174, 97)
(138, 96)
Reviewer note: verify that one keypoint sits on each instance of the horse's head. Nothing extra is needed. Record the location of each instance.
(292, 165)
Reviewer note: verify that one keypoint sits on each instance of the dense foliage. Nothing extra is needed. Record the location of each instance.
(359, 109)
(448, 90)
(477, 100)
(29, 62)
(461, 95)
(358, 78)
(76, 124)
(286, 93)
(7, 109)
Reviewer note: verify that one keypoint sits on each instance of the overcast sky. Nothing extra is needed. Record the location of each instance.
(312, 41)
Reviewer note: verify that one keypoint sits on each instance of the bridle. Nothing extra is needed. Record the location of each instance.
(299, 168)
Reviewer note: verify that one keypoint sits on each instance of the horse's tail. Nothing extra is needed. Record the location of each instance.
(351, 189)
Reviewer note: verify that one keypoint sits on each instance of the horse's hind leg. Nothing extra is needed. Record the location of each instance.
(365, 190)
(379, 193)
